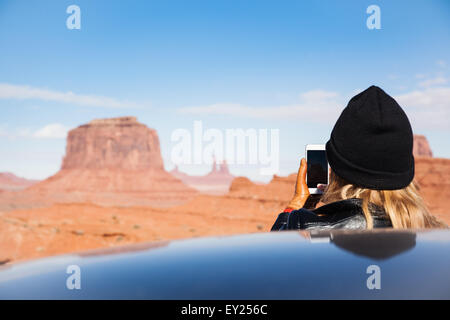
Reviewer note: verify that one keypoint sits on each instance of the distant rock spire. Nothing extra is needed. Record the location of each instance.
(224, 167)
(217, 181)
(214, 166)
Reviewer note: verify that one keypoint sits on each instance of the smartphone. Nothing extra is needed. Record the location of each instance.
(317, 171)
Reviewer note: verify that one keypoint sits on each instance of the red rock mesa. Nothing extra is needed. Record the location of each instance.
(114, 161)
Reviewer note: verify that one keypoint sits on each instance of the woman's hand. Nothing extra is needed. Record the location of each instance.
(301, 193)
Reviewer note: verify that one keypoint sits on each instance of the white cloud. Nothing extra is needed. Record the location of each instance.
(427, 108)
(52, 131)
(433, 82)
(427, 98)
(315, 106)
(19, 92)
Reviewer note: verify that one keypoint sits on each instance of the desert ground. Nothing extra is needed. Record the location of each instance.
(62, 228)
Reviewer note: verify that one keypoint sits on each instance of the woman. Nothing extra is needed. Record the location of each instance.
(372, 170)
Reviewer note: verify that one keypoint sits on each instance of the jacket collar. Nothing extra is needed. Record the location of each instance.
(350, 205)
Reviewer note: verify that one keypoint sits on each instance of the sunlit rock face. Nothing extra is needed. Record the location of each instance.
(118, 143)
(421, 148)
(114, 161)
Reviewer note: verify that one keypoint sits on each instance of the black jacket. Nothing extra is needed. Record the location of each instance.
(345, 214)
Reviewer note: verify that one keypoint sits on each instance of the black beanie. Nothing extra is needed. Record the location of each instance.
(371, 143)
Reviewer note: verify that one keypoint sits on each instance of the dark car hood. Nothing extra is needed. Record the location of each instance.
(280, 265)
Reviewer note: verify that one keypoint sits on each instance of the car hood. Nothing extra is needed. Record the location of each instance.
(334, 264)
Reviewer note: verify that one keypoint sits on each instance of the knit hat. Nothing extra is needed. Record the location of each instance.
(371, 143)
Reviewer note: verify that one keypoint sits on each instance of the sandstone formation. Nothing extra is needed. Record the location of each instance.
(114, 161)
(117, 143)
(278, 190)
(433, 177)
(11, 182)
(421, 148)
(215, 182)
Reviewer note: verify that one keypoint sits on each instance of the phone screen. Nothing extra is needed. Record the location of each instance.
(317, 171)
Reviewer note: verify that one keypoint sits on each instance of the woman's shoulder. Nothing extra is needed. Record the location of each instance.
(351, 211)
(349, 207)
(344, 214)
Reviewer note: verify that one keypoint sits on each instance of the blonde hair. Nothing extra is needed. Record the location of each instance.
(405, 207)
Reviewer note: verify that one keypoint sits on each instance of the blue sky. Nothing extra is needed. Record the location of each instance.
(288, 65)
